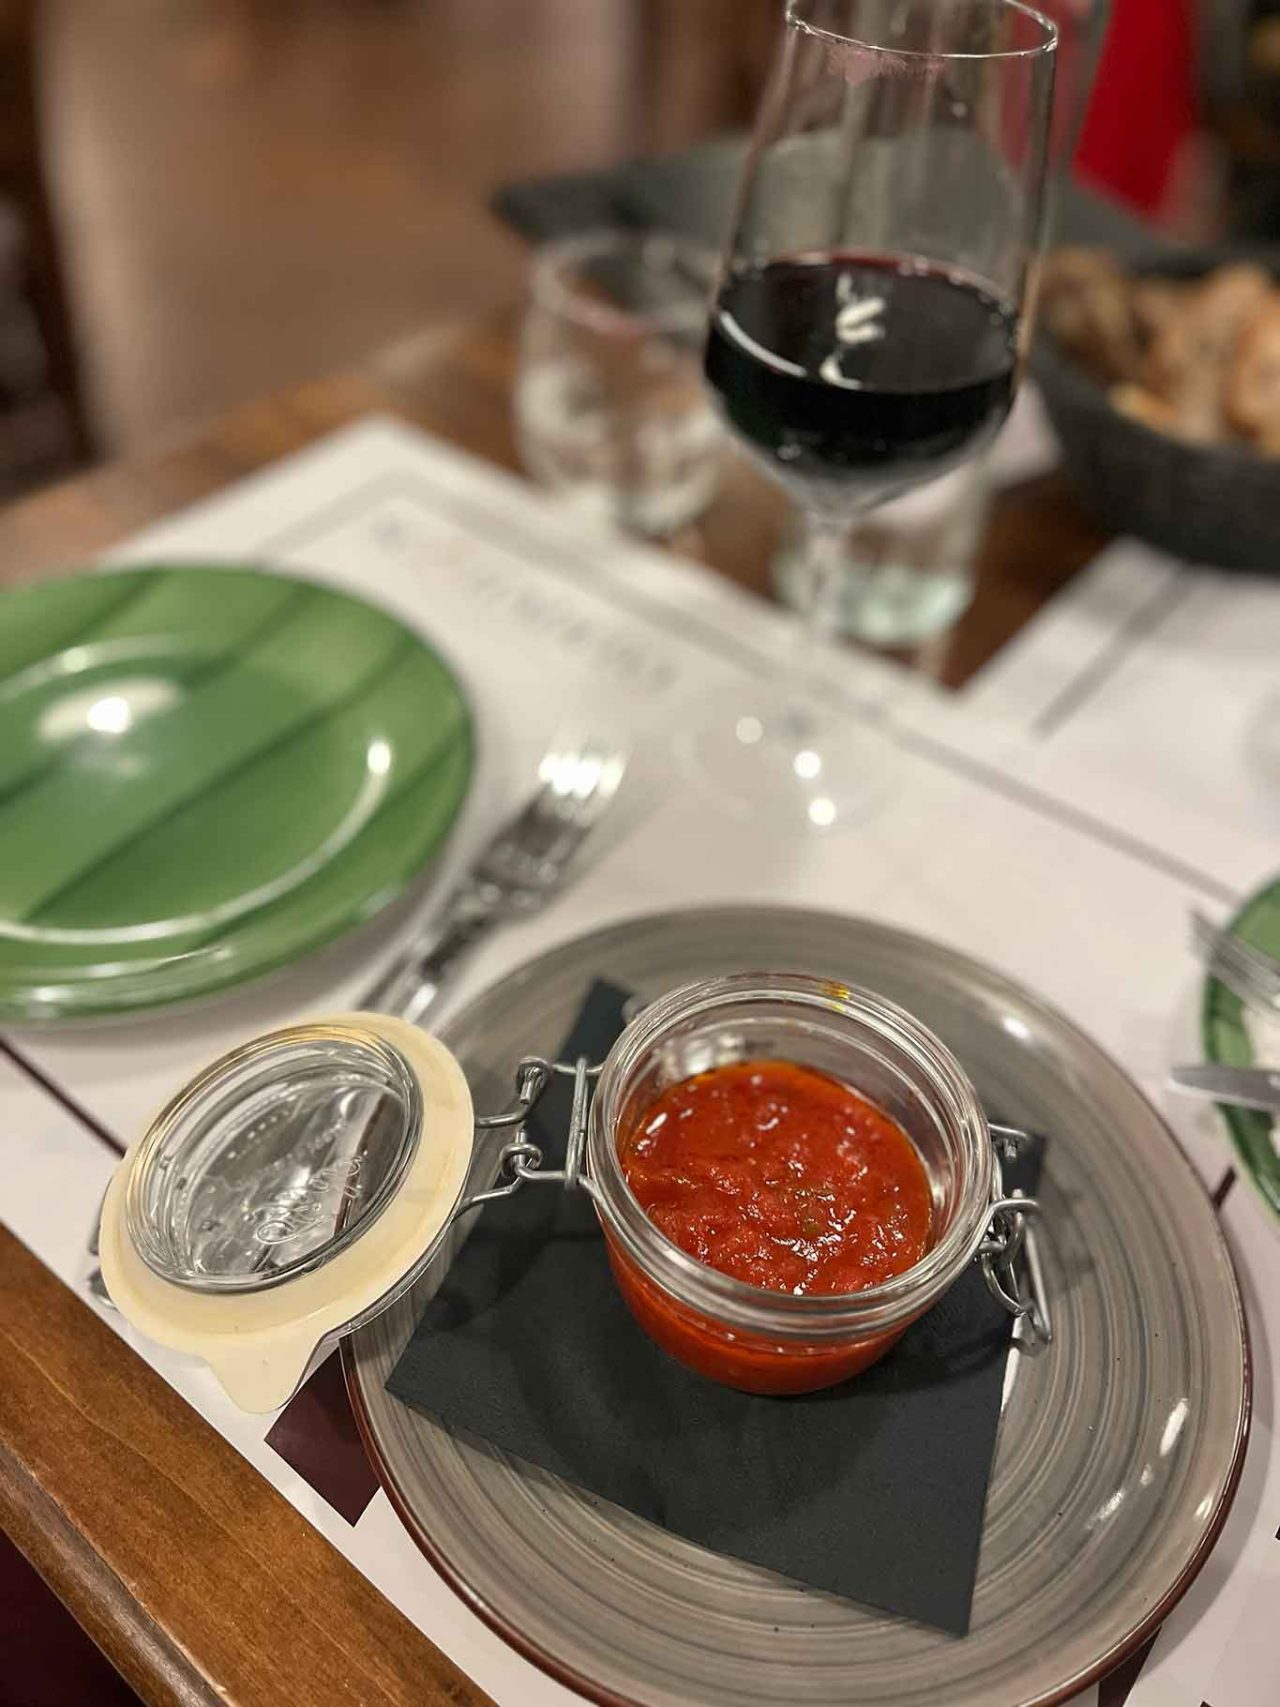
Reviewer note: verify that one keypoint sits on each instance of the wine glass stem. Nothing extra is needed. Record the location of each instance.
(826, 561)
(828, 568)
(824, 566)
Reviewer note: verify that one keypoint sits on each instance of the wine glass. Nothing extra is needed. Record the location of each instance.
(870, 315)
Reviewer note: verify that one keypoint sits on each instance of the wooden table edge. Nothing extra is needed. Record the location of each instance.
(199, 1581)
(144, 1655)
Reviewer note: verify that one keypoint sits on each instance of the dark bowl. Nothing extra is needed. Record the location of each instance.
(1216, 504)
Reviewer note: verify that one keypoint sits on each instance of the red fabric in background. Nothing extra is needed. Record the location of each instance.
(1145, 103)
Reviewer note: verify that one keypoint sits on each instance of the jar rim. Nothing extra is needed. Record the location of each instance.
(762, 1310)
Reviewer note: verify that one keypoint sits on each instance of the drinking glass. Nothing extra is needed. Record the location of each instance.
(610, 408)
(909, 565)
(869, 320)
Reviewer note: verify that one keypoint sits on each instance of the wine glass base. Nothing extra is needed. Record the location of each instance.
(786, 767)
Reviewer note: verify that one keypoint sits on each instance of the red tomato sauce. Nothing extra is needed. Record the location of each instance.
(782, 1177)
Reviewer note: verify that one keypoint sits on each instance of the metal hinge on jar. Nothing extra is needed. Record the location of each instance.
(1010, 1253)
(520, 1159)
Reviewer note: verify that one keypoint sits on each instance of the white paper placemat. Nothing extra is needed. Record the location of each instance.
(973, 846)
(1148, 696)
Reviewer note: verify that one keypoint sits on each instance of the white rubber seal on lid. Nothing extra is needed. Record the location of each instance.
(260, 1343)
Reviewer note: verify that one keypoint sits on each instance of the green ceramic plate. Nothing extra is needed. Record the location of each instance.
(204, 773)
(1227, 1040)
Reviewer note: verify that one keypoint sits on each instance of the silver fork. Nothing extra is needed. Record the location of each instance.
(1247, 972)
(528, 860)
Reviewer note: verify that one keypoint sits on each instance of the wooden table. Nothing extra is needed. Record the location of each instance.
(199, 1581)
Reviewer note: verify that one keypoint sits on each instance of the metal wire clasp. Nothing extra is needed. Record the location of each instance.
(1010, 1253)
(520, 1159)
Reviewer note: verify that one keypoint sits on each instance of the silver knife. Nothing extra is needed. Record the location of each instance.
(1247, 1087)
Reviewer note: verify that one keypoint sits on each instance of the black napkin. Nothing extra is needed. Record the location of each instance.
(874, 1490)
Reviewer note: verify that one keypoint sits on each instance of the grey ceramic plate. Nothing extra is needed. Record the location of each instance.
(1119, 1447)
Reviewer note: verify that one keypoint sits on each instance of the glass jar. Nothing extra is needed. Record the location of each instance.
(746, 1336)
(303, 1182)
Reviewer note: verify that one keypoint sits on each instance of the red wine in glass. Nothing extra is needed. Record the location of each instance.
(869, 373)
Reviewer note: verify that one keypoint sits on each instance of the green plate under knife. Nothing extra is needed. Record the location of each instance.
(1256, 1136)
(204, 773)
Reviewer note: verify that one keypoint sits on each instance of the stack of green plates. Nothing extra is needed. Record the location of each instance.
(203, 773)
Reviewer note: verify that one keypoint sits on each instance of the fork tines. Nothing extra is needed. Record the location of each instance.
(1249, 972)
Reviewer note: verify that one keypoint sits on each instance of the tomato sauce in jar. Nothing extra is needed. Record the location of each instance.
(784, 1178)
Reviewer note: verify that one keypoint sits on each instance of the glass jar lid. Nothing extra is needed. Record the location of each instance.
(274, 1160)
(291, 1191)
